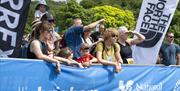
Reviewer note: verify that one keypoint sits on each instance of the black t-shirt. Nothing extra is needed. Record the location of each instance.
(126, 52)
(95, 36)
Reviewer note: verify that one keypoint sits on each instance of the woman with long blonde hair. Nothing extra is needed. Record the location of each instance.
(108, 51)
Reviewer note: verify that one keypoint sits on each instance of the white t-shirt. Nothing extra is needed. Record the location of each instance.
(39, 14)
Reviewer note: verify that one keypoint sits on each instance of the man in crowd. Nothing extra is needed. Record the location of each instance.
(73, 36)
(169, 52)
(98, 34)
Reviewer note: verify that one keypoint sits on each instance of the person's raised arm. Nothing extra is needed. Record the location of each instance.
(93, 25)
(140, 38)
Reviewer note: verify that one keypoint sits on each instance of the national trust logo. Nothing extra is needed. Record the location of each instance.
(177, 86)
(127, 86)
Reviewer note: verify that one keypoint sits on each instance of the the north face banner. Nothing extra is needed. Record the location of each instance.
(153, 22)
(13, 15)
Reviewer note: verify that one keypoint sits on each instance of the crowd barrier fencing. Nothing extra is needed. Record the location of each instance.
(38, 75)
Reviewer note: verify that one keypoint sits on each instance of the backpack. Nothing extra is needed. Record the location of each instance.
(93, 52)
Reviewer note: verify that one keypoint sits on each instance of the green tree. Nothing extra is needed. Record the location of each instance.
(114, 17)
(123, 4)
(87, 4)
(119, 12)
(30, 17)
(175, 26)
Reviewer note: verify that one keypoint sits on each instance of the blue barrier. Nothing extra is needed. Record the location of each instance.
(37, 75)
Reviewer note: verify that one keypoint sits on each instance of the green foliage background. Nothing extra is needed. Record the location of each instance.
(115, 17)
(116, 13)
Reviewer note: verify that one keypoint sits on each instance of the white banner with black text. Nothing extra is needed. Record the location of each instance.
(153, 22)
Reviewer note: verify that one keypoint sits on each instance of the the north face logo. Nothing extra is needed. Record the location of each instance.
(127, 86)
(152, 38)
(153, 24)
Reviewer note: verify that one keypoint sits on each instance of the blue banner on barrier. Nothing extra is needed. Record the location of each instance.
(35, 75)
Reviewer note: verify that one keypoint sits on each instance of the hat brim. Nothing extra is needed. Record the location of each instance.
(37, 7)
(35, 23)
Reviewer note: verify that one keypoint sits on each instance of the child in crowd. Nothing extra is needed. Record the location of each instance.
(41, 9)
(86, 58)
(68, 54)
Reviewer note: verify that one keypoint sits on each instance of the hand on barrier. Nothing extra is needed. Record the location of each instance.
(118, 68)
(80, 65)
(86, 64)
(58, 68)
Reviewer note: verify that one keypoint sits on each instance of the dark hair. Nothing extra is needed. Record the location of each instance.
(65, 52)
(37, 30)
(47, 16)
(84, 46)
(37, 7)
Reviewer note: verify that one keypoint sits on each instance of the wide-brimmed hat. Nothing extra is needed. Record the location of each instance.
(42, 2)
(35, 23)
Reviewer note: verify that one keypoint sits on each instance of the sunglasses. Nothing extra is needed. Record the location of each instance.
(171, 37)
(87, 48)
(48, 31)
(51, 21)
(114, 35)
(84, 49)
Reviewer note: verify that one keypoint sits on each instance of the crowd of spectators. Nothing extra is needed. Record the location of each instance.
(81, 46)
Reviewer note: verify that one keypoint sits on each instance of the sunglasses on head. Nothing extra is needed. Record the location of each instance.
(114, 35)
(51, 20)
